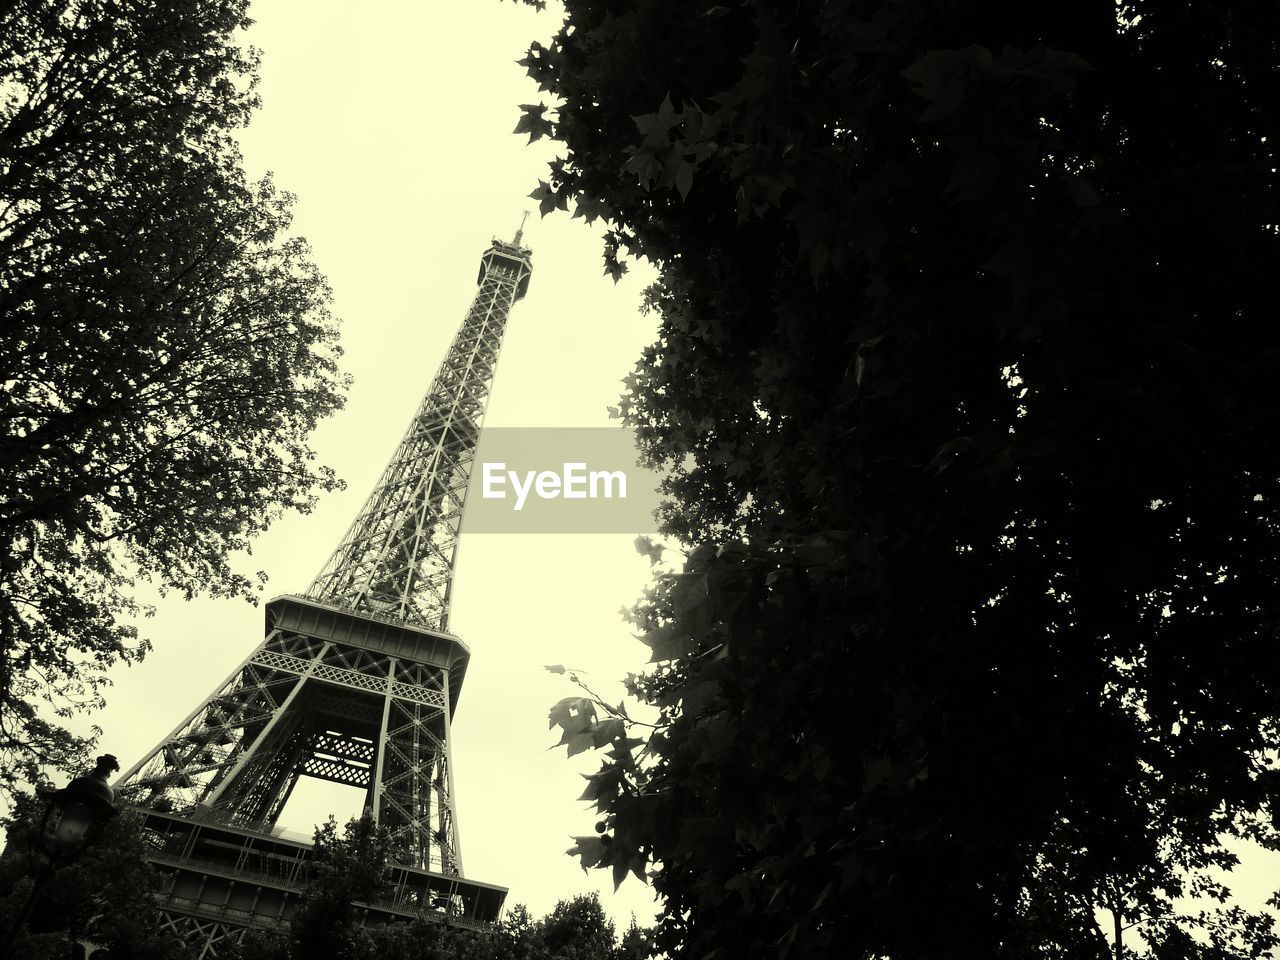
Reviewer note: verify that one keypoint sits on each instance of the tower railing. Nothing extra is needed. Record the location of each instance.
(355, 682)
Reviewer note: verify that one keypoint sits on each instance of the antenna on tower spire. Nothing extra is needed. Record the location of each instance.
(520, 232)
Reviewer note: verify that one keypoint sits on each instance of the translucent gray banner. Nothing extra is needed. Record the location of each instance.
(559, 480)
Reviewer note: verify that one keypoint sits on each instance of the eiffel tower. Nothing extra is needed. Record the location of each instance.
(355, 682)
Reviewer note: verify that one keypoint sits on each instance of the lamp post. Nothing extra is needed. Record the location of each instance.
(73, 818)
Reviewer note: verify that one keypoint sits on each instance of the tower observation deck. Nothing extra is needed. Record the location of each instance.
(356, 682)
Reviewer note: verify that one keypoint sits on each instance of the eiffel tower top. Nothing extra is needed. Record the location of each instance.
(395, 562)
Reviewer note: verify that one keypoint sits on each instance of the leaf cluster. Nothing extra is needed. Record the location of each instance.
(167, 347)
(964, 391)
(105, 897)
(348, 867)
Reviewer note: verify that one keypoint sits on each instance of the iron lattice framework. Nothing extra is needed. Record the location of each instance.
(396, 560)
(355, 683)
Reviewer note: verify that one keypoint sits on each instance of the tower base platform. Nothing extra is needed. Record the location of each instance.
(224, 880)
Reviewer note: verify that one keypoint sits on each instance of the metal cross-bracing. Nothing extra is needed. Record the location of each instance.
(355, 683)
(396, 560)
(331, 695)
(222, 881)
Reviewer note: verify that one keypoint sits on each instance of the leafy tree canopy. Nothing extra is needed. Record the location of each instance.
(167, 344)
(349, 867)
(104, 897)
(965, 386)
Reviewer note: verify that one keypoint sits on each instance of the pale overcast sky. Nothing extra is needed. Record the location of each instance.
(391, 120)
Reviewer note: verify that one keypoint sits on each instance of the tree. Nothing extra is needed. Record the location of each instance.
(350, 868)
(963, 385)
(575, 929)
(168, 345)
(104, 897)
(341, 872)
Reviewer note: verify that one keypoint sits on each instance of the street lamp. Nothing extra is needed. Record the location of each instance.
(73, 818)
(76, 814)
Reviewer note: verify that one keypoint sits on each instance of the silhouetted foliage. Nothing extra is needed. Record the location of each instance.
(104, 897)
(341, 872)
(167, 345)
(965, 384)
(349, 869)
